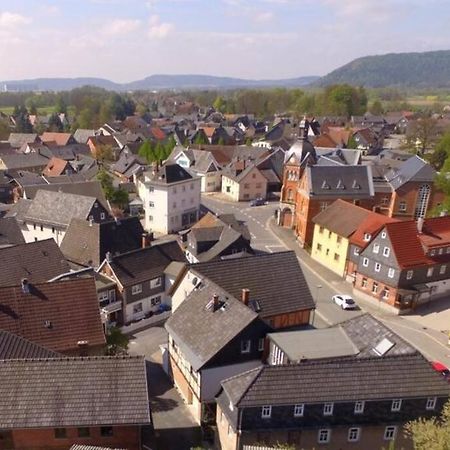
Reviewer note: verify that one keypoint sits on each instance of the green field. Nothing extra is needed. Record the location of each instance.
(41, 110)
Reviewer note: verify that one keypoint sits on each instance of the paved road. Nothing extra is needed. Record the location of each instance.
(426, 330)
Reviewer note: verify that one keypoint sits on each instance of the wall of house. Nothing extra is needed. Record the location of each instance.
(254, 185)
(155, 216)
(230, 188)
(44, 438)
(184, 288)
(211, 181)
(33, 231)
(289, 319)
(330, 249)
(225, 433)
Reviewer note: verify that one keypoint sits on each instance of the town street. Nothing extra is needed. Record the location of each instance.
(427, 329)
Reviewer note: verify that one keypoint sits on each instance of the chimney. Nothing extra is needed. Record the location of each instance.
(144, 240)
(25, 286)
(420, 225)
(215, 302)
(245, 296)
(108, 256)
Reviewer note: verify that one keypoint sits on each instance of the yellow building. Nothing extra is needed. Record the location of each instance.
(333, 228)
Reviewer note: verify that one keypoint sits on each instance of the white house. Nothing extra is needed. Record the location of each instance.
(171, 198)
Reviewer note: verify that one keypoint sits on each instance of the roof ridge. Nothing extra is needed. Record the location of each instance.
(256, 369)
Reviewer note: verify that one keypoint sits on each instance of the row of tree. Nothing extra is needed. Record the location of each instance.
(156, 152)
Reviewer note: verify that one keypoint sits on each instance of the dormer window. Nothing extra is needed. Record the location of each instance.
(328, 409)
(367, 237)
(245, 346)
(325, 185)
(266, 412)
(355, 185)
(396, 405)
(340, 185)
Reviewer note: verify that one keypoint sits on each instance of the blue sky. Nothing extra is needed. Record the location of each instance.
(125, 40)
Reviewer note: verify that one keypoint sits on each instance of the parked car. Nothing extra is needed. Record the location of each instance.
(439, 367)
(344, 301)
(258, 202)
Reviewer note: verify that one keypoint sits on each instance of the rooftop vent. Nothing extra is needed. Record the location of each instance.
(48, 324)
(383, 347)
(25, 286)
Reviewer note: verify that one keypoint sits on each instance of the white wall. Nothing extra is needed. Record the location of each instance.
(146, 307)
(30, 234)
(185, 287)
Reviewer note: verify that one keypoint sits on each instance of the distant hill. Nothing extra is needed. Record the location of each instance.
(415, 70)
(153, 82)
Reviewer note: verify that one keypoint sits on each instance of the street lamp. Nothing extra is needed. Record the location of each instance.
(318, 287)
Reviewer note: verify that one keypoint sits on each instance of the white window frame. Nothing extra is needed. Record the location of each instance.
(402, 206)
(364, 283)
(261, 342)
(354, 434)
(386, 293)
(390, 432)
(396, 405)
(299, 410)
(430, 271)
(359, 407)
(324, 435)
(365, 262)
(386, 251)
(151, 204)
(375, 287)
(246, 345)
(377, 267)
(367, 237)
(383, 235)
(328, 409)
(409, 274)
(141, 309)
(136, 289)
(356, 251)
(155, 282)
(102, 216)
(266, 412)
(376, 248)
(391, 272)
(442, 269)
(431, 403)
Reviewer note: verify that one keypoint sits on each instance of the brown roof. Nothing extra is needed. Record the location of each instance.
(324, 140)
(55, 167)
(59, 138)
(55, 315)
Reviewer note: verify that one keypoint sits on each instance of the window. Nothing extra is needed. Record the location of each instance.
(155, 301)
(90, 218)
(391, 272)
(60, 433)
(150, 218)
(409, 274)
(367, 236)
(174, 205)
(156, 282)
(365, 262)
(374, 287)
(384, 201)
(431, 403)
(442, 269)
(323, 206)
(329, 234)
(402, 206)
(258, 185)
(356, 251)
(377, 267)
(136, 289)
(151, 204)
(277, 355)
(383, 235)
(396, 405)
(137, 308)
(253, 175)
(106, 431)
(183, 188)
(229, 429)
(324, 436)
(319, 247)
(34, 226)
(336, 257)
(364, 282)
(266, 412)
(386, 251)
(245, 346)
(321, 230)
(151, 189)
(389, 433)
(386, 293)
(102, 216)
(42, 228)
(299, 410)
(261, 344)
(192, 186)
(246, 185)
(430, 272)
(376, 248)
(422, 201)
(84, 432)
(174, 190)
(359, 407)
(353, 434)
(328, 409)
(327, 252)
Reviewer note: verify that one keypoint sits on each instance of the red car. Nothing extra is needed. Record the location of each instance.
(439, 367)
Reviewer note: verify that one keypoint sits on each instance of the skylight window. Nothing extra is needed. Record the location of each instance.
(383, 347)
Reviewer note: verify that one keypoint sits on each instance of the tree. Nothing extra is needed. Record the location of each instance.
(219, 103)
(376, 108)
(200, 139)
(117, 342)
(169, 146)
(147, 151)
(106, 182)
(441, 152)
(60, 105)
(23, 124)
(4, 130)
(119, 198)
(352, 144)
(159, 152)
(104, 153)
(422, 134)
(344, 100)
(54, 123)
(431, 434)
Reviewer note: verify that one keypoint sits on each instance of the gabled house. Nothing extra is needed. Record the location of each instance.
(63, 316)
(128, 166)
(33, 162)
(298, 398)
(50, 212)
(86, 243)
(217, 237)
(16, 140)
(141, 279)
(277, 286)
(69, 401)
(57, 167)
(58, 138)
(10, 232)
(212, 335)
(406, 263)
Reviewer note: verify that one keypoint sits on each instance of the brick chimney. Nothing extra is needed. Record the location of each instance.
(245, 296)
(83, 347)
(215, 302)
(420, 225)
(144, 240)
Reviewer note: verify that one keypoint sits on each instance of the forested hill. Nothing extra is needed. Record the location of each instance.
(414, 70)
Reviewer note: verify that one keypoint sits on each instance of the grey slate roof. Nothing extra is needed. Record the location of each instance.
(413, 169)
(275, 280)
(16, 347)
(10, 232)
(36, 261)
(87, 244)
(201, 332)
(169, 173)
(18, 139)
(345, 181)
(322, 381)
(19, 209)
(24, 161)
(59, 208)
(68, 392)
(82, 135)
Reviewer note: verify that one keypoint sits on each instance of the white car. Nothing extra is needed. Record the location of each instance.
(344, 301)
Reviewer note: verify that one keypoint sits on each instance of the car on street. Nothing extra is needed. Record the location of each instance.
(258, 202)
(344, 301)
(441, 368)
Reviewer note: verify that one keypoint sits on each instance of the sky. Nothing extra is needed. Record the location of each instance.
(127, 40)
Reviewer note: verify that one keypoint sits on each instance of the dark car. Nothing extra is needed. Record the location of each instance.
(258, 202)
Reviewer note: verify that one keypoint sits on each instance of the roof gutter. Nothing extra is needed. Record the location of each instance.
(75, 272)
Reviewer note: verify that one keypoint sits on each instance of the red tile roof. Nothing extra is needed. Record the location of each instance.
(158, 134)
(59, 138)
(371, 224)
(55, 315)
(436, 232)
(55, 167)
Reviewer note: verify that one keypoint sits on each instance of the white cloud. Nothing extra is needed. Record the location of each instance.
(119, 27)
(263, 16)
(9, 20)
(158, 29)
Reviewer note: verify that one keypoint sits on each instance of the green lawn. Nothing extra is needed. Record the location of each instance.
(41, 110)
